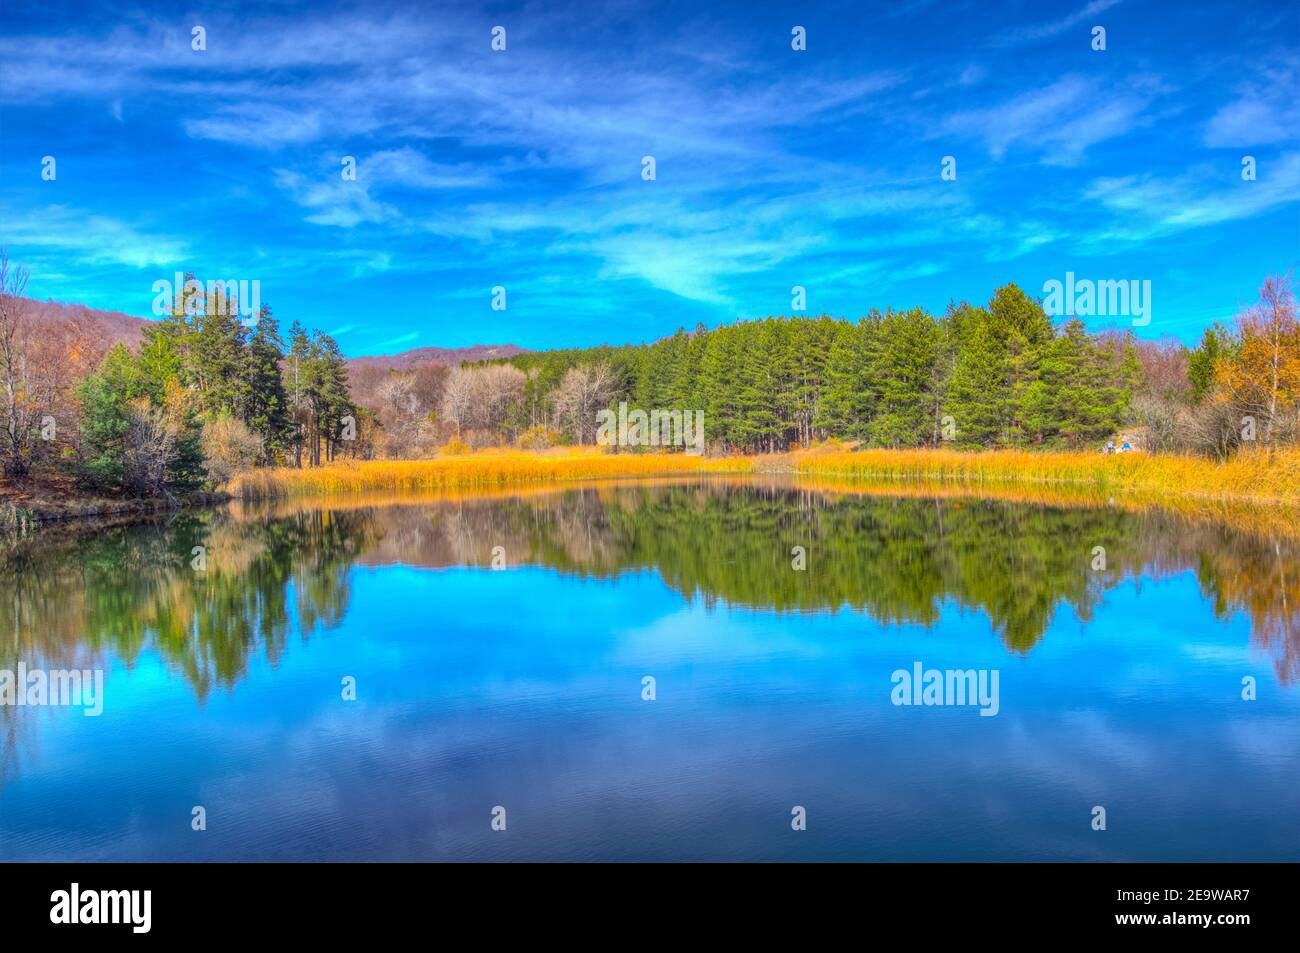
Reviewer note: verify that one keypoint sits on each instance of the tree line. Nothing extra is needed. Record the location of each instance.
(998, 375)
(1239, 387)
(203, 395)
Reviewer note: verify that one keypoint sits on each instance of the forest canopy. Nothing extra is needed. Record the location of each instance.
(204, 394)
(997, 375)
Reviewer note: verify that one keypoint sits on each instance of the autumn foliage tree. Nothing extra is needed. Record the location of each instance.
(1260, 377)
(46, 350)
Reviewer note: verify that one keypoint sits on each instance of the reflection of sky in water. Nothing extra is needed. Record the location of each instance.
(522, 688)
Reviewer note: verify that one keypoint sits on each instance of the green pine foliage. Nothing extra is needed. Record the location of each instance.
(1001, 375)
(266, 408)
(1201, 361)
(143, 413)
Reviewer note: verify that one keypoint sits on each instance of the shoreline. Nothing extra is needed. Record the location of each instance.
(1260, 481)
(18, 519)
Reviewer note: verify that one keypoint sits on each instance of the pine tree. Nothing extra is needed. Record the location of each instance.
(1201, 362)
(848, 401)
(267, 404)
(300, 377)
(903, 376)
(756, 425)
(1026, 333)
(139, 431)
(333, 402)
(718, 384)
(806, 357)
(977, 400)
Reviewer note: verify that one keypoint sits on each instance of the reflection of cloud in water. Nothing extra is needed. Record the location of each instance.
(522, 687)
(899, 561)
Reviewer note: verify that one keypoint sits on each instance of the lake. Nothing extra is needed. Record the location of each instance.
(639, 671)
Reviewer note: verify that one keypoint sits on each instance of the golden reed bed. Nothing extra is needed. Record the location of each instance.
(484, 469)
(1257, 476)
(1258, 491)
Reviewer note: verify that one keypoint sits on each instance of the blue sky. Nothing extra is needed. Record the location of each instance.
(523, 168)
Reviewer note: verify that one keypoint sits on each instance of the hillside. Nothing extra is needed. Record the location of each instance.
(112, 326)
(435, 356)
(116, 326)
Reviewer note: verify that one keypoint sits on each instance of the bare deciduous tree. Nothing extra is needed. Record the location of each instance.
(458, 398)
(15, 413)
(584, 390)
(148, 448)
(483, 397)
(497, 389)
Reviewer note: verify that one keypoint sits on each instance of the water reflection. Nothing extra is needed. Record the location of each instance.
(130, 587)
(899, 560)
(478, 687)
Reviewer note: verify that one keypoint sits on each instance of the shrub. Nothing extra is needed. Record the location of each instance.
(539, 437)
(228, 447)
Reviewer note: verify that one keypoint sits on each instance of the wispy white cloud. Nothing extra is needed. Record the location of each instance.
(93, 239)
(527, 164)
(391, 343)
(1060, 121)
(258, 124)
(1266, 110)
(1152, 206)
(333, 200)
(1041, 31)
(406, 167)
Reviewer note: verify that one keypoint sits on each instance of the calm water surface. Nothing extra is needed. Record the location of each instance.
(522, 687)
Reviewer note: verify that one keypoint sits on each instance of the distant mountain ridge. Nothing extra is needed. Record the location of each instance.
(117, 326)
(445, 356)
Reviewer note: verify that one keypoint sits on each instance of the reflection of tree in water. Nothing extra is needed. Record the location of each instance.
(897, 559)
(894, 559)
(63, 602)
(131, 589)
(1261, 577)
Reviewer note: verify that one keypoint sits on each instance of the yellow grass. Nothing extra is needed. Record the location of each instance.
(1257, 478)
(485, 469)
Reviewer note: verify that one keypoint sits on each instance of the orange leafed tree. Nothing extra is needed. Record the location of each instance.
(41, 362)
(1262, 378)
